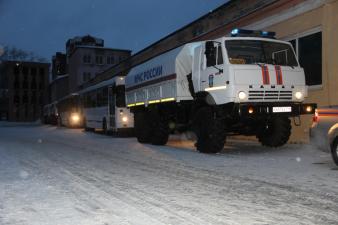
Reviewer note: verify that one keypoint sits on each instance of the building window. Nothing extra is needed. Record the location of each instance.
(41, 81)
(309, 51)
(33, 97)
(25, 97)
(33, 83)
(110, 60)
(16, 98)
(25, 70)
(41, 99)
(16, 70)
(33, 71)
(42, 72)
(99, 59)
(25, 82)
(16, 82)
(87, 59)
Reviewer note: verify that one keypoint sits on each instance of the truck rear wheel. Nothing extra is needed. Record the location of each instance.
(276, 132)
(160, 130)
(334, 151)
(210, 131)
(142, 127)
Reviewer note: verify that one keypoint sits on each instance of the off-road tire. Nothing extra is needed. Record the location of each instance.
(276, 132)
(142, 127)
(334, 151)
(210, 131)
(159, 129)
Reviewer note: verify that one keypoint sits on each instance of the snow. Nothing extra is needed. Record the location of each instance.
(52, 175)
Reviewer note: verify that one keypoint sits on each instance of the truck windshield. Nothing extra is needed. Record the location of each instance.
(257, 51)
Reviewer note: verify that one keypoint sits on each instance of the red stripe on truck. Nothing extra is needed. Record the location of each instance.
(279, 75)
(265, 75)
(151, 82)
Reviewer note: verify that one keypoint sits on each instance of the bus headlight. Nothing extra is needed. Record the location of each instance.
(242, 95)
(75, 118)
(299, 95)
(125, 119)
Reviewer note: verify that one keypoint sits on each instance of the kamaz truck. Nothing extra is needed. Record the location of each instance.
(246, 84)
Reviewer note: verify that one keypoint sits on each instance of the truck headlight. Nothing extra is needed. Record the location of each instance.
(125, 119)
(299, 95)
(242, 95)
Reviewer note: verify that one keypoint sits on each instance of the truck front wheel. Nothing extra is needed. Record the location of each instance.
(142, 127)
(276, 132)
(210, 131)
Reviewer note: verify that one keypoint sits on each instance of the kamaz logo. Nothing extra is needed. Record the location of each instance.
(148, 74)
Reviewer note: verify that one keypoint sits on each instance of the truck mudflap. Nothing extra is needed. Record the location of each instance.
(288, 109)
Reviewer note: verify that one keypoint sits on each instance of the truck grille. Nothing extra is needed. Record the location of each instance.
(270, 95)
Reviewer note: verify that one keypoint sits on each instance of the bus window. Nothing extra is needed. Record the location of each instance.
(120, 98)
(111, 100)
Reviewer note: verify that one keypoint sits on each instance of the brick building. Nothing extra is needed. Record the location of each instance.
(23, 90)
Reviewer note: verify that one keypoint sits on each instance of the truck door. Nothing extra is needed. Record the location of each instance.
(212, 66)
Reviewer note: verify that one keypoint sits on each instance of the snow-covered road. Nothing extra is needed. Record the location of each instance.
(58, 176)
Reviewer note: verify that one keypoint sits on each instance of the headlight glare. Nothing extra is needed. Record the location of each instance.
(242, 95)
(298, 95)
(75, 118)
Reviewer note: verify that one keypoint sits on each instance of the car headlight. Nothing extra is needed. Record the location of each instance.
(299, 95)
(242, 95)
(125, 119)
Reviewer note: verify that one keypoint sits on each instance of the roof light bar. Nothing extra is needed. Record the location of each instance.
(252, 33)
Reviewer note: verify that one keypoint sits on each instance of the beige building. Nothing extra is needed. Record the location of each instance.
(310, 25)
(87, 57)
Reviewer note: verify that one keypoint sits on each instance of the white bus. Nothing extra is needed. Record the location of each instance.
(70, 111)
(104, 107)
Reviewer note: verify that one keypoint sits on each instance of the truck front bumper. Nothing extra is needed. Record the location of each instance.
(276, 108)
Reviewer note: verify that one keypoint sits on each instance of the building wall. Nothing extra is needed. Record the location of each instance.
(27, 90)
(59, 88)
(324, 18)
(77, 66)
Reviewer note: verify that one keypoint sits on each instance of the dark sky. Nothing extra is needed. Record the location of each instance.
(43, 26)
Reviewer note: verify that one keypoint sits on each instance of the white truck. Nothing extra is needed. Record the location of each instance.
(247, 84)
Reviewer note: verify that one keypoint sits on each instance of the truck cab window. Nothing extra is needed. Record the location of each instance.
(213, 54)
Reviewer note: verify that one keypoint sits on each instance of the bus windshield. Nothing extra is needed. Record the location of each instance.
(257, 52)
